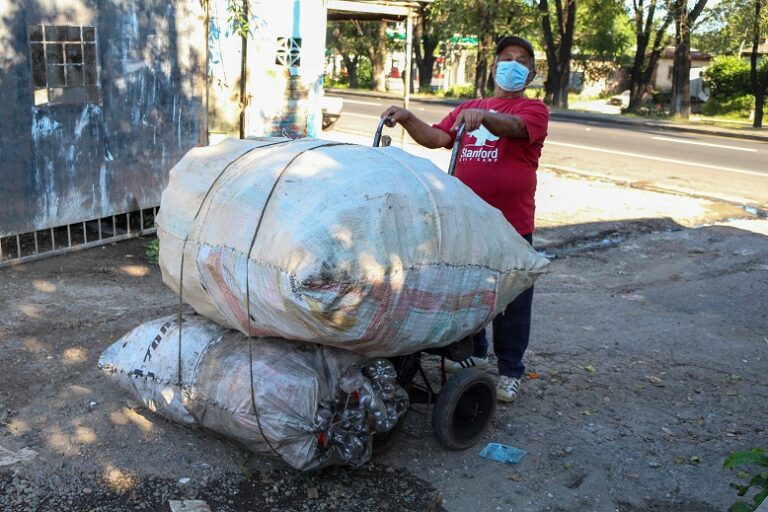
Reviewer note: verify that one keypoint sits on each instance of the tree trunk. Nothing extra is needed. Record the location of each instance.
(642, 35)
(560, 97)
(378, 54)
(426, 69)
(681, 71)
(558, 52)
(642, 71)
(485, 53)
(758, 86)
(481, 75)
(350, 65)
(484, 62)
(550, 84)
(425, 52)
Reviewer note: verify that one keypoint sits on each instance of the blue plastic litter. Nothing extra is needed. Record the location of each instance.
(503, 453)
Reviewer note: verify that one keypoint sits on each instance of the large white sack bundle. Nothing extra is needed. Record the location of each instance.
(316, 405)
(369, 249)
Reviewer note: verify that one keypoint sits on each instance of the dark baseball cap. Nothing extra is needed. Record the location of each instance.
(516, 41)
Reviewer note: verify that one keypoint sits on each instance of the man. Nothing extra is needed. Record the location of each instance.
(513, 129)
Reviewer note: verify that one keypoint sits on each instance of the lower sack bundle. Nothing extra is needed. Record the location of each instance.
(311, 405)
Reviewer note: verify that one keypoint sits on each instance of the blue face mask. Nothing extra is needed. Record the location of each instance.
(511, 75)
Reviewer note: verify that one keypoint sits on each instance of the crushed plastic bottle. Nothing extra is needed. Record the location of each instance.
(370, 401)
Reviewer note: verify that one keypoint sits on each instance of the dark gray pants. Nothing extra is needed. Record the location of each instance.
(511, 330)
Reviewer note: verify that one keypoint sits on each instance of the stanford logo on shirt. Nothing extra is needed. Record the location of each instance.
(484, 148)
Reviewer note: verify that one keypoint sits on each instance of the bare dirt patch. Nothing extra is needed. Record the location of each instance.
(649, 353)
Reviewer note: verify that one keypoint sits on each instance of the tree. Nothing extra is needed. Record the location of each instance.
(558, 41)
(603, 30)
(739, 25)
(651, 39)
(681, 86)
(488, 21)
(375, 33)
(344, 37)
(355, 40)
(759, 83)
(431, 29)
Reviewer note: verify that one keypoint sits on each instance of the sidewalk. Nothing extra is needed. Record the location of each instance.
(560, 114)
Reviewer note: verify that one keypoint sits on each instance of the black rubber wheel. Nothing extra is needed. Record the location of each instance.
(464, 409)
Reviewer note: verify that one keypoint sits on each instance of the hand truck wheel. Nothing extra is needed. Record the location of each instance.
(464, 409)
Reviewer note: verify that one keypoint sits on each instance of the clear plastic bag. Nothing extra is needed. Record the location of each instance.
(316, 405)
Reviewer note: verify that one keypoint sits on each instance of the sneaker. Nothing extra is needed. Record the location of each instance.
(507, 388)
(470, 362)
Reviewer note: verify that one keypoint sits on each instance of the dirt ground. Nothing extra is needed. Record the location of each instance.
(650, 347)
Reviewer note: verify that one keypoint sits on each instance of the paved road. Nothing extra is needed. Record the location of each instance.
(713, 166)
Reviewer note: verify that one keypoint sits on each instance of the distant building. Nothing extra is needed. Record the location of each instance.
(662, 76)
(762, 48)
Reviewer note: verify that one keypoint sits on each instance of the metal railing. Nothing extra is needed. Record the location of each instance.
(25, 247)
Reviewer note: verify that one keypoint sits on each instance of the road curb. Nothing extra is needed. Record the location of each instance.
(567, 115)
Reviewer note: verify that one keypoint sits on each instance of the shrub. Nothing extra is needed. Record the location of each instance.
(153, 250)
(460, 91)
(365, 74)
(738, 106)
(661, 98)
(728, 77)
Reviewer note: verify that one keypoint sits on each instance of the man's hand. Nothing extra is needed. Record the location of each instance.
(471, 117)
(394, 115)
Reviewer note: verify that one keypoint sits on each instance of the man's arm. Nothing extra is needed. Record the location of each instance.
(503, 125)
(421, 132)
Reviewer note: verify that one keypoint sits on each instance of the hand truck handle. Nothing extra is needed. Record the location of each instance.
(456, 147)
(377, 135)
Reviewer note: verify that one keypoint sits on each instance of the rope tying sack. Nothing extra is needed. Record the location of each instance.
(213, 185)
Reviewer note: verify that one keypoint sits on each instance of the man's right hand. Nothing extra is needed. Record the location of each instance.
(394, 115)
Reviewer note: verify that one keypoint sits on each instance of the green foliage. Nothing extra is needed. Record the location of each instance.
(353, 40)
(604, 29)
(728, 27)
(759, 480)
(728, 77)
(335, 83)
(237, 17)
(460, 91)
(738, 107)
(536, 93)
(499, 17)
(365, 73)
(153, 250)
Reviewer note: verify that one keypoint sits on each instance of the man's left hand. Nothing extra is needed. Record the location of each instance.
(471, 117)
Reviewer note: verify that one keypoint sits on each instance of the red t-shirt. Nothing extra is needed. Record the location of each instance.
(502, 171)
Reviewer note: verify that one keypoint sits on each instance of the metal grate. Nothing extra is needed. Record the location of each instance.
(65, 65)
(26, 247)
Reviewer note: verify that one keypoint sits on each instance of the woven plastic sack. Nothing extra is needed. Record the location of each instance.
(369, 249)
(316, 405)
